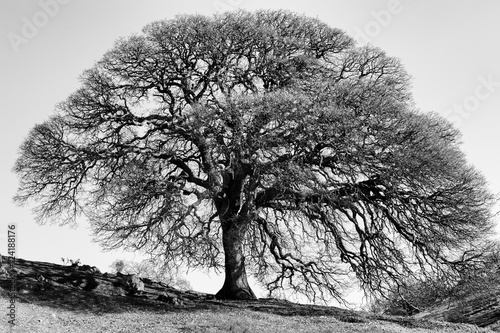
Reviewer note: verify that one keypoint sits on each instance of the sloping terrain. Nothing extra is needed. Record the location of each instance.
(482, 310)
(55, 298)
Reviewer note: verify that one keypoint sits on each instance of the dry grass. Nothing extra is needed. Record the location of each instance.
(34, 317)
(63, 308)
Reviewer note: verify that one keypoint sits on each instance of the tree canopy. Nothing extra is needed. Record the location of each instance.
(264, 141)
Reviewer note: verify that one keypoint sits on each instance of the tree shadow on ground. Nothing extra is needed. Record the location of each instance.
(66, 288)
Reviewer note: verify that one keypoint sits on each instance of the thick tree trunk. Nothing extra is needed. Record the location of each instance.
(236, 284)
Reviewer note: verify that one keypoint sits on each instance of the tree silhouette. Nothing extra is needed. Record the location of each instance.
(265, 141)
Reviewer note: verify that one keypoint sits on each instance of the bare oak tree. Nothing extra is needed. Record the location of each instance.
(265, 141)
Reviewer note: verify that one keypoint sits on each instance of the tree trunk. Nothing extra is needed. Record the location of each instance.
(235, 284)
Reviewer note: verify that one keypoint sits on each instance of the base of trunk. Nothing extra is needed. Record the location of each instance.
(235, 293)
(235, 283)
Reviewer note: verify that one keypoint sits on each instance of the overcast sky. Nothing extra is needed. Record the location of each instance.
(450, 47)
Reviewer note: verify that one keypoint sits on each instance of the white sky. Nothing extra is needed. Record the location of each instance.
(450, 47)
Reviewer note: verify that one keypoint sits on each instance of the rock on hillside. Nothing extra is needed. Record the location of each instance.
(33, 276)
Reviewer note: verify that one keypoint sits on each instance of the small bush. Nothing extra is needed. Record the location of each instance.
(415, 296)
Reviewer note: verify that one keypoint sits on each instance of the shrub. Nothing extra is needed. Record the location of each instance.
(414, 296)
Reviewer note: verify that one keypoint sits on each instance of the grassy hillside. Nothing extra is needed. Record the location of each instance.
(60, 299)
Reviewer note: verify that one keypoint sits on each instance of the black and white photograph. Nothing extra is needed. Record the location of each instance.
(250, 166)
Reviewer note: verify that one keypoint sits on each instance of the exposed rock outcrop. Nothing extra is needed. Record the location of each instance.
(36, 277)
(131, 283)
